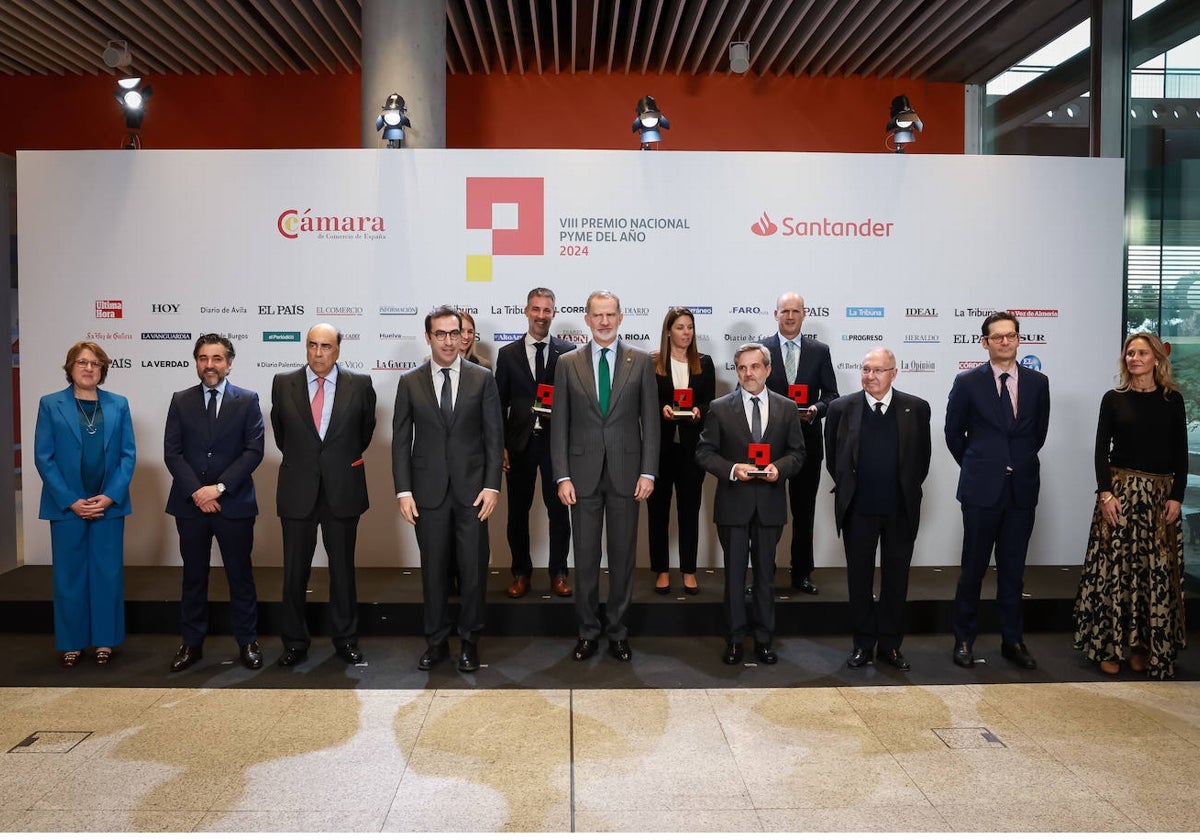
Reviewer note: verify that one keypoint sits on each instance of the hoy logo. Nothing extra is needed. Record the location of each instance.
(164, 307)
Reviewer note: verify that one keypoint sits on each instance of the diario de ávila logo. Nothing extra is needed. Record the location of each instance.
(822, 228)
(293, 223)
(513, 211)
(110, 309)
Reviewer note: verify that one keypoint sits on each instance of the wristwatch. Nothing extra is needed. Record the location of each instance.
(220, 489)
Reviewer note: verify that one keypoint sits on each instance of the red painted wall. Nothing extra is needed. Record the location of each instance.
(718, 112)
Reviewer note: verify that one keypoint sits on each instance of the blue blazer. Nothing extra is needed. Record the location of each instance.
(228, 454)
(985, 446)
(58, 453)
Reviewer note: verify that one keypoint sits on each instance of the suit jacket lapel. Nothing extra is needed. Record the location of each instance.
(622, 364)
(108, 406)
(853, 419)
(587, 377)
(70, 412)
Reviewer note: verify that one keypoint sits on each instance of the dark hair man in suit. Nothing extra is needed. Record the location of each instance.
(323, 417)
(800, 360)
(604, 446)
(447, 459)
(750, 509)
(878, 445)
(996, 423)
(521, 367)
(212, 444)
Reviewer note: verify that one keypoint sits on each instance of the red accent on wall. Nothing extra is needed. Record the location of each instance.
(567, 111)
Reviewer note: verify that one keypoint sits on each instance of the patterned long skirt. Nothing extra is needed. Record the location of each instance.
(1131, 592)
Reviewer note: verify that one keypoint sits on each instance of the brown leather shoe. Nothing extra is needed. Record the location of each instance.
(520, 586)
(561, 588)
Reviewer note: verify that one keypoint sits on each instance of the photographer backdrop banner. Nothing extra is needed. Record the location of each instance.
(142, 252)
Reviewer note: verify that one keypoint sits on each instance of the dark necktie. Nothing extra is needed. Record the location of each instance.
(1006, 400)
(879, 408)
(755, 421)
(605, 381)
(447, 397)
(539, 364)
(212, 408)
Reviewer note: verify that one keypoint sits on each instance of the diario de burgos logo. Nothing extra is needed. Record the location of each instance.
(1032, 362)
(293, 223)
(513, 209)
(110, 309)
(824, 227)
(1035, 313)
(864, 311)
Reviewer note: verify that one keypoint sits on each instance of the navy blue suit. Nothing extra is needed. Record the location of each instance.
(197, 456)
(998, 486)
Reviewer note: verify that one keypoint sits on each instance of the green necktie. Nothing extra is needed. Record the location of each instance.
(605, 381)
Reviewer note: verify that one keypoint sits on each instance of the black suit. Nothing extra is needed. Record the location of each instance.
(527, 439)
(678, 470)
(750, 515)
(445, 467)
(814, 369)
(902, 458)
(199, 453)
(321, 482)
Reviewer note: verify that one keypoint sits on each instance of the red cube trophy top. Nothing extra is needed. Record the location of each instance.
(545, 399)
(799, 393)
(759, 454)
(683, 398)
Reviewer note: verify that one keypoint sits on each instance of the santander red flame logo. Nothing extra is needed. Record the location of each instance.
(764, 226)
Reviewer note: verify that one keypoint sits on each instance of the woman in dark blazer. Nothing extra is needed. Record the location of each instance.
(84, 452)
(678, 365)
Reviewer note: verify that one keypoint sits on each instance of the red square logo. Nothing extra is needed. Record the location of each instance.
(528, 237)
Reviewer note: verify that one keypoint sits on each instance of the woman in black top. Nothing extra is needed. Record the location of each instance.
(678, 365)
(1130, 602)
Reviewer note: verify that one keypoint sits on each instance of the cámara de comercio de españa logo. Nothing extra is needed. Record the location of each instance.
(513, 209)
(293, 223)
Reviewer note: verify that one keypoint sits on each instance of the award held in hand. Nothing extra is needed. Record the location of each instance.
(759, 454)
(544, 402)
(681, 404)
(799, 393)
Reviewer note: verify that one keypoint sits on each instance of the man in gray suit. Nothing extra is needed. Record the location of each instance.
(447, 458)
(604, 448)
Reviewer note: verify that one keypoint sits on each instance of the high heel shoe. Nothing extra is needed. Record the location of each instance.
(103, 655)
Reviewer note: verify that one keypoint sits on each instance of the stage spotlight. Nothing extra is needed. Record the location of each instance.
(649, 121)
(739, 56)
(903, 124)
(133, 99)
(393, 121)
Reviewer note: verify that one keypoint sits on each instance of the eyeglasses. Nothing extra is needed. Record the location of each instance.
(84, 364)
(442, 335)
(1000, 338)
(870, 371)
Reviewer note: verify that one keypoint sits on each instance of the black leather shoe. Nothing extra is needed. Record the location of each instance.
(894, 658)
(1018, 654)
(251, 656)
(620, 650)
(859, 657)
(350, 653)
(468, 660)
(963, 656)
(733, 653)
(806, 586)
(186, 657)
(764, 654)
(584, 649)
(291, 657)
(432, 656)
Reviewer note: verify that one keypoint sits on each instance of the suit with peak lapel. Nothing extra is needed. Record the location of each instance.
(998, 485)
(445, 466)
(603, 455)
(750, 515)
(814, 369)
(196, 456)
(527, 440)
(321, 482)
(901, 452)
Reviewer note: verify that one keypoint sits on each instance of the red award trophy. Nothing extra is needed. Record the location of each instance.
(545, 400)
(682, 403)
(799, 393)
(759, 454)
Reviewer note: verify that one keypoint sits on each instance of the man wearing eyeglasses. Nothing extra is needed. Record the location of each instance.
(996, 422)
(878, 447)
(447, 461)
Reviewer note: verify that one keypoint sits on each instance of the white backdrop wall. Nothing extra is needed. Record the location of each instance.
(144, 251)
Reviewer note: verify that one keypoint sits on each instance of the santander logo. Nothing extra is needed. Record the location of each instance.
(764, 226)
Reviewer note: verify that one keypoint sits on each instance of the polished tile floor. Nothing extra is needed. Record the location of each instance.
(1087, 756)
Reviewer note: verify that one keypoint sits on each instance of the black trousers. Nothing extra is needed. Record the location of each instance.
(235, 538)
(736, 542)
(523, 471)
(451, 534)
(802, 497)
(881, 623)
(677, 470)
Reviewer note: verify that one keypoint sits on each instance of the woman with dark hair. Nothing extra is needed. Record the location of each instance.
(1130, 603)
(84, 452)
(678, 365)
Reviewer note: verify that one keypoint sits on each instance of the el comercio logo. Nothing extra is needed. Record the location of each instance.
(513, 209)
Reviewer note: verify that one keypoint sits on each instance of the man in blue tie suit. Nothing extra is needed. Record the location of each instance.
(212, 444)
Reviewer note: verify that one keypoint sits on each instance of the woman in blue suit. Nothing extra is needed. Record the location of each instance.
(84, 451)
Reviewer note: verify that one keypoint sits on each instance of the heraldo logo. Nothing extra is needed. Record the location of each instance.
(764, 226)
(292, 224)
(513, 209)
(110, 309)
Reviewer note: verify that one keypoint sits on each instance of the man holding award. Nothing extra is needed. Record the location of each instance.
(751, 442)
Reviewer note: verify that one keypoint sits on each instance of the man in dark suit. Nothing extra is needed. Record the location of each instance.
(604, 446)
(447, 459)
(521, 367)
(212, 444)
(878, 443)
(323, 417)
(996, 422)
(750, 508)
(803, 361)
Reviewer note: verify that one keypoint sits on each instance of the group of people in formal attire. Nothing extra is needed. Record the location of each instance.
(607, 426)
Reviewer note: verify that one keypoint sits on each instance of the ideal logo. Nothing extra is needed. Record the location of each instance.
(513, 209)
(764, 226)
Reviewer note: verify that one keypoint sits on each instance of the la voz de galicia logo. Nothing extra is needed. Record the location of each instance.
(514, 210)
